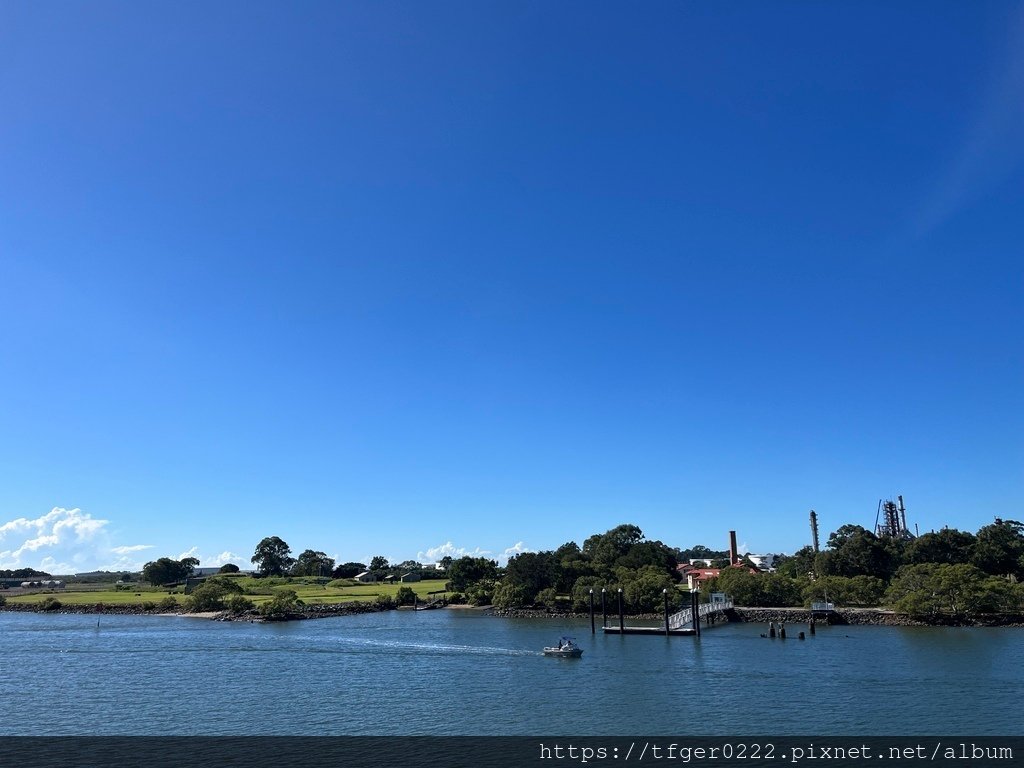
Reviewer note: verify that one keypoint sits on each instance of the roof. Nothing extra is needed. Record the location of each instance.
(705, 573)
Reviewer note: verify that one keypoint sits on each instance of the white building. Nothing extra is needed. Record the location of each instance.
(763, 562)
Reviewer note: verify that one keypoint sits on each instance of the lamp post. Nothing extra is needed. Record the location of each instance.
(696, 610)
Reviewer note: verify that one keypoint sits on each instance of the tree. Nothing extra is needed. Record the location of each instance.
(960, 591)
(946, 546)
(645, 593)
(379, 563)
(999, 548)
(228, 568)
(405, 596)
(510, 595)
(604, 549)
(570, 565)
(189, 564)
(167, 571)
(469, 570)
(313, 563)
(348, 570)
(757, 590)
(284, 602)
(859, 590)
(208, 596)
(532, 570)
(859, 553)
(273, 557)
(644, 553)
(581, 593)
(843, 533)
(446, 562)
(797, 565)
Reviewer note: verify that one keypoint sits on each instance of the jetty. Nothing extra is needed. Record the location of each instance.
(682, 623)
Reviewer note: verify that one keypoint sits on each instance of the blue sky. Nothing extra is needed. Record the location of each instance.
(423, 278)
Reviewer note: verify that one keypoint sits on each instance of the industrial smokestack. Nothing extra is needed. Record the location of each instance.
(733, 554)
(814, 529)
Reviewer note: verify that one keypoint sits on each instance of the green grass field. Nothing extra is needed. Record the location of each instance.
(257, 590)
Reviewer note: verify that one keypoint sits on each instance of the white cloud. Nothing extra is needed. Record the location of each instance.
(64, 541)
(211, 562)
(129, 550)
(433, 554)
(223, 558)
(514, 550)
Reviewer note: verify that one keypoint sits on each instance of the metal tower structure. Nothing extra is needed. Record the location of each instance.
(891, 520)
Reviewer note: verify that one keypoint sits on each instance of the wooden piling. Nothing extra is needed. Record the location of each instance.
(665, 592)
(622, 623)
(771, 629)
(592, 629)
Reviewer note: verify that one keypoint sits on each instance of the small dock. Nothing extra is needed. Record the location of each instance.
(675, 625)
(647, 631)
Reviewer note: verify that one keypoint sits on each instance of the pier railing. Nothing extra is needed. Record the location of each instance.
(684, 618)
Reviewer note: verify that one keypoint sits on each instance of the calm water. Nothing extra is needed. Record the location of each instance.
(458, 672)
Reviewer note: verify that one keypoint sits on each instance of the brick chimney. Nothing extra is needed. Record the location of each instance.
(733, 554)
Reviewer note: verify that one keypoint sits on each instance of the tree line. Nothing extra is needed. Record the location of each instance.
(942, 573)
(946, 572)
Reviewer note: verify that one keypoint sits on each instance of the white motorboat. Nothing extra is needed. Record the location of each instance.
(566, 649)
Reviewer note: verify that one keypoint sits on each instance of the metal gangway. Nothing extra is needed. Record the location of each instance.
(684, 618)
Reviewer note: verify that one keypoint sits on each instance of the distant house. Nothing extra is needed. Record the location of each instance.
(696, 577)
(366, 577)
(408, 577)
(206, 571)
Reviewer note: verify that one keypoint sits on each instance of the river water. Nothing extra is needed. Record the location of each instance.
(463, 673)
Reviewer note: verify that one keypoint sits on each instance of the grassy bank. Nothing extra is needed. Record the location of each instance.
(310, 591)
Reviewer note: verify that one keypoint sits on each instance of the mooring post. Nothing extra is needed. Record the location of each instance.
(592, 630)
(771, 629)
(782, 631)
(695, 610)
(665, 592)
(622, 628)
(801, 635)
(604, 611)
(811, 627)
(415, 602)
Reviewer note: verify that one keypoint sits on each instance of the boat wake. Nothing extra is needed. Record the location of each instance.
(435, 648)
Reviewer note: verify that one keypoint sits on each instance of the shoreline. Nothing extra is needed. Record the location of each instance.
(842, 616)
